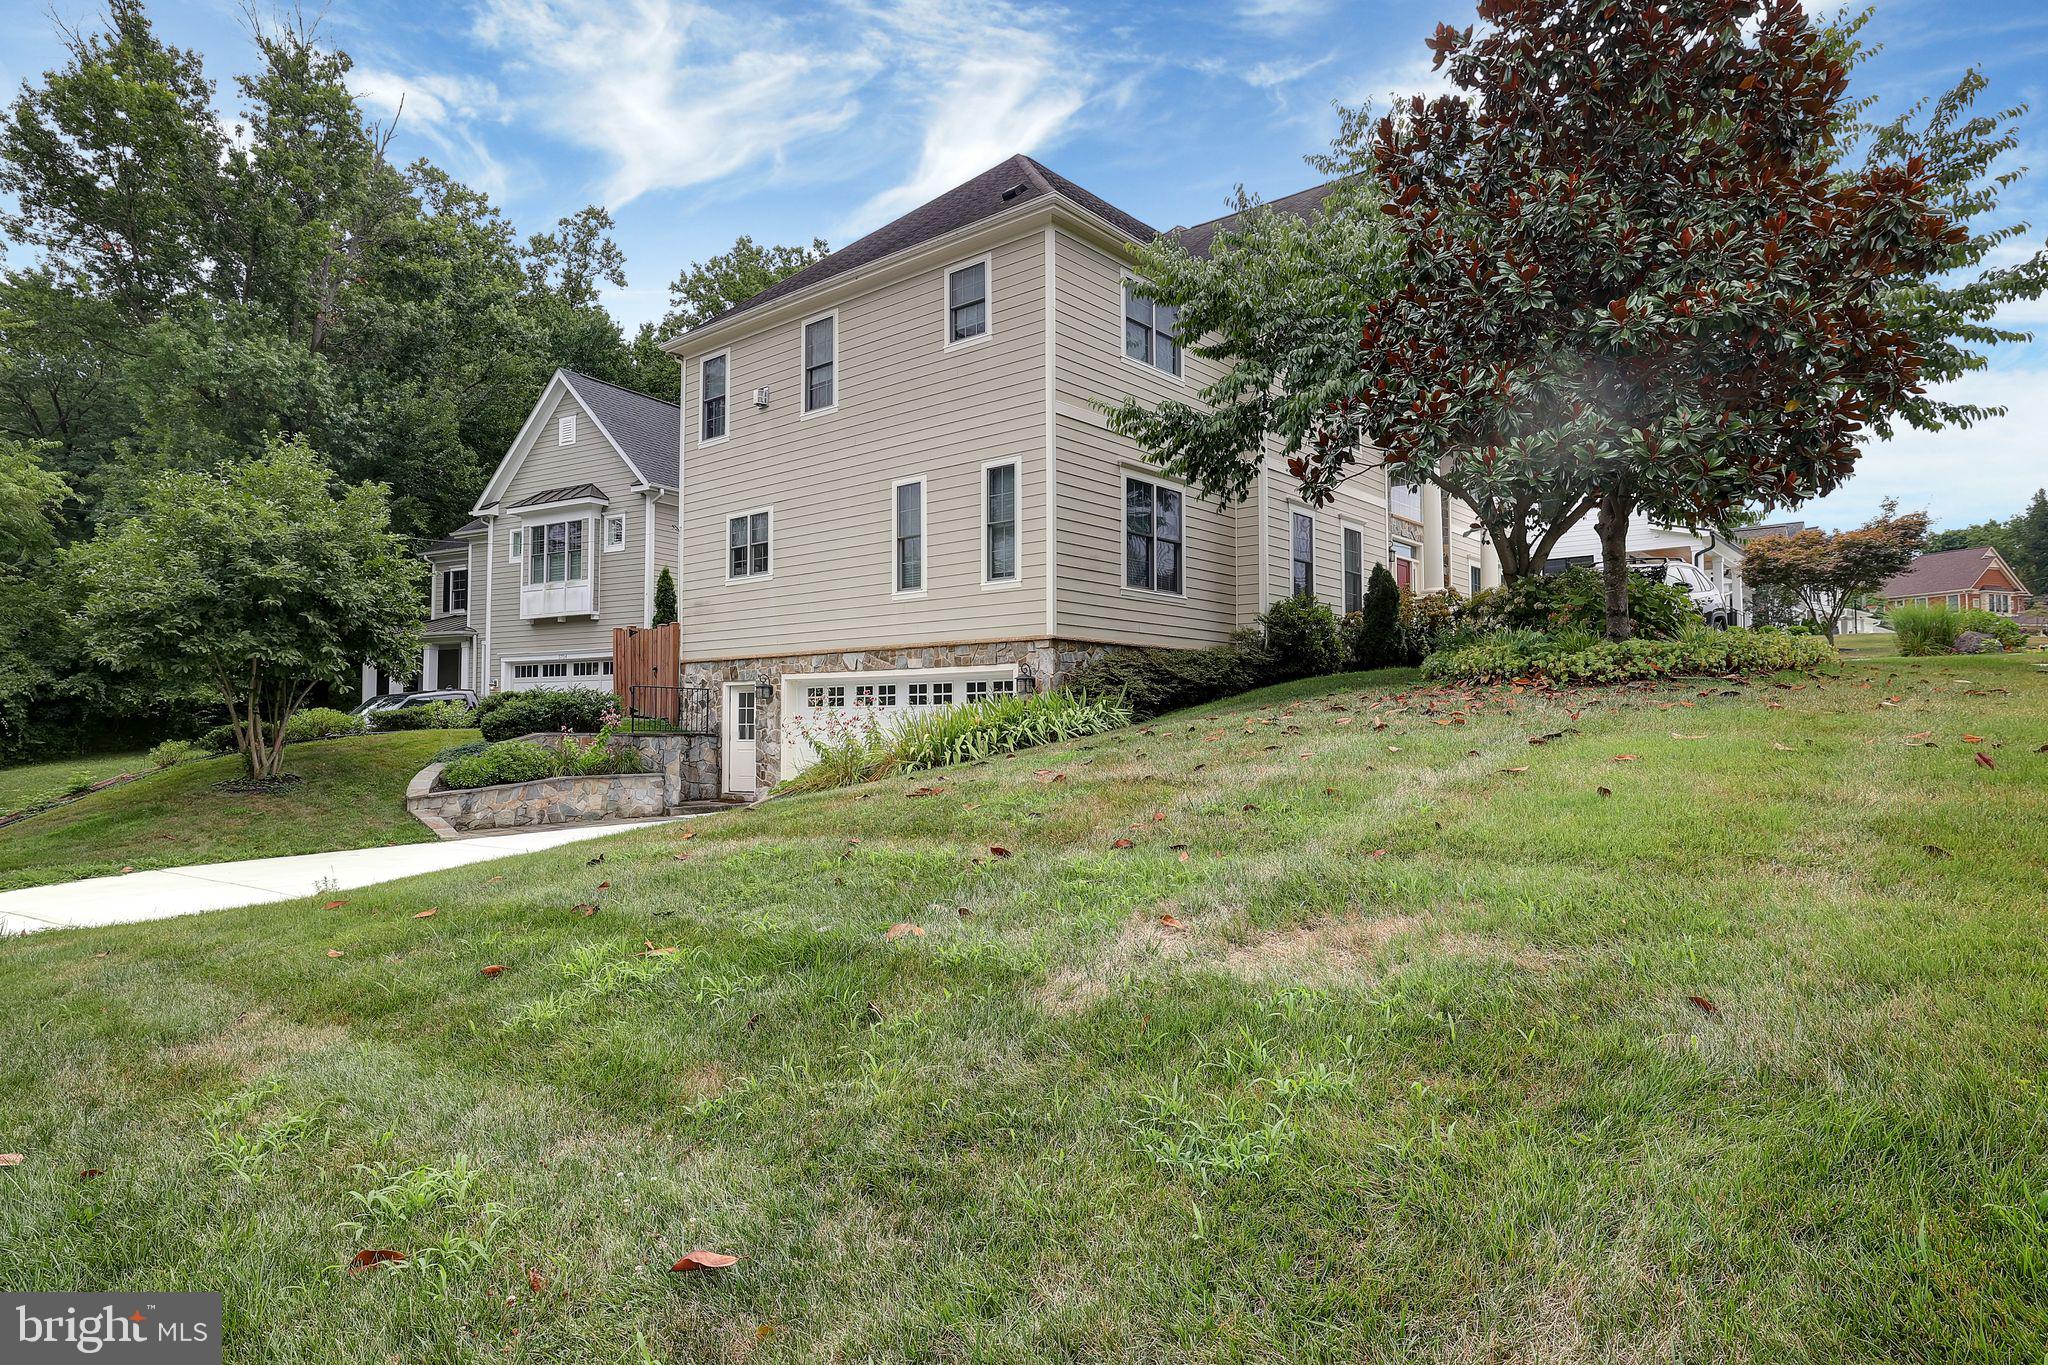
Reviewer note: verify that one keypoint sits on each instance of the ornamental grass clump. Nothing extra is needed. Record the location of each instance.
(864, 749)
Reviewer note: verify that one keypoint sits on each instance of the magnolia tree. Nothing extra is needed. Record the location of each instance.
(255, 583)
(1646, 258)
(1827, 574)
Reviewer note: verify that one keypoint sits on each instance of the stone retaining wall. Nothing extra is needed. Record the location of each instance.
(452, 811)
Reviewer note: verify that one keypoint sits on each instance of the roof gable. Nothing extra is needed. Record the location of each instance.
(1947, 571)
(651, 445)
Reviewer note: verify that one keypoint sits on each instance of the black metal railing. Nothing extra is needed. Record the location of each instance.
(655, 709)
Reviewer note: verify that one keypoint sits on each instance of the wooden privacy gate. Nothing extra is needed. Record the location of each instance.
(647, 670)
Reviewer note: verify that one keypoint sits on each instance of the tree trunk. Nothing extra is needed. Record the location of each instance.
(1612, 526)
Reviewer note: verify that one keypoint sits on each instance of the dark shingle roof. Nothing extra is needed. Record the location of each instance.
(548, 495)
(649, 430)
(1198, 240)
(445, 545)
(455, 623)
(1776, 530)
(1943, 571)
(1018, 180)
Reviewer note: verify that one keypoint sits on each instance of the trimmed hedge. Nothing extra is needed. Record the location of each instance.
(1155, 681)
(508, 715)
(1703, 652)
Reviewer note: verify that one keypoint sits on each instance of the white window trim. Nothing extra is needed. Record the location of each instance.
(1164, 376)
(604, 533)
(1295, 509)
(725, 546)
(515, 543)
(988, 302)
(565, 429)
(726, 356)
(924, 514)
(1015, 580)
(590, 530)
(804, 412)
(1346, 527)
(1123, 568)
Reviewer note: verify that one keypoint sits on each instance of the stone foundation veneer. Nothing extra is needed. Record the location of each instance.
(1048, 663)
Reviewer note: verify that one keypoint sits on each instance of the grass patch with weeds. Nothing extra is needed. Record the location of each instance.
(1350, 1020)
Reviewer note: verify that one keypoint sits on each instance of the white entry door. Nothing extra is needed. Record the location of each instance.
(738, 742)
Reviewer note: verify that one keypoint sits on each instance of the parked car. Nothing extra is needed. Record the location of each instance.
(1707, 597)
(400, 701)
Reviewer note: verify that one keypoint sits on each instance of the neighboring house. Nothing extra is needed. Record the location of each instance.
(567, 540)
(1965, 580)
(1717, 553)
(890, 488)
(898, 490)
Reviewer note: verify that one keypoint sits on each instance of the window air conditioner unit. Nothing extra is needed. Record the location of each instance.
(760, 398)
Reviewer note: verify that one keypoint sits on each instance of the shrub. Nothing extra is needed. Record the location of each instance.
(1577, 598)
(455, 751)
(172, 752)
(578, 709)
(1154, 681)
(321, 722)
(511, 760)
(2008, 632)
(958, 734)
(1300, 636)
(664, 599)
(1427, 622)
(1372, 636)
(219, 740)
(1506, 657)
(1923, 629)
(439, 715)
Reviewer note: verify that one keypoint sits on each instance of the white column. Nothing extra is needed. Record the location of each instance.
(1432, 540)
(369, 682)
(1489, 562)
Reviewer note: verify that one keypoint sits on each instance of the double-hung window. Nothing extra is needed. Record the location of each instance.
(1152, 536)
(821, 356)
(1149, 331)
(711, 399)
(454, 591)
(555, 554)
(999, 524)
(967, 302)
(909, 495)
(747, 544)
(1304, 554)
(1354, 570)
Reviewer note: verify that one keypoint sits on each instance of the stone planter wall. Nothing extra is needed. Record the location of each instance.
(688, 763)
(452, 811)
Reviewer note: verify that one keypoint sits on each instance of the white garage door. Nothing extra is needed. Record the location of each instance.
(819, 706)
(526, 676)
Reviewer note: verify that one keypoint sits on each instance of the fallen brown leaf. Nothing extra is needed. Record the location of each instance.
(534, 1281)
(1122, 843)
(1524, 768)
(1169, 922)
(1605, 791)
(429, 912)
(1984, 760)
(91, 1173)
(494, 969)
(11, 1158)
(998, 850)
(364, 1260)
(334, 952)
(703, 1260)
(896, 931)
(334, 905)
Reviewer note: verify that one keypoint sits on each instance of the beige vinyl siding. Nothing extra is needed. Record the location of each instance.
(621, 574)
(1093, 602)
(906, 406)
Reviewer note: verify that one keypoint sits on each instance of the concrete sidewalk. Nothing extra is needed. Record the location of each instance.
(220, 886)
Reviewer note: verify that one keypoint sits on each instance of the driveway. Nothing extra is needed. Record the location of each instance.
(221, 886)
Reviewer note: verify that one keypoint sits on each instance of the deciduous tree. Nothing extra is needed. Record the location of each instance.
(1829, 573)
(256, 583)
(707, 288)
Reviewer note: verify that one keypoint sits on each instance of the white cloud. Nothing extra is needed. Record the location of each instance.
(986, 81)
(668, 93)
(1957, 476)
(448, 110)
(1281, 14)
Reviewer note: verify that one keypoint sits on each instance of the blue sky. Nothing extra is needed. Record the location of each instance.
(697, 120)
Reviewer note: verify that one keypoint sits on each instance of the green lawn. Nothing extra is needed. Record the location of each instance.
(29, 783)
(1873, 644)
(1714, 1027)
(353, 796)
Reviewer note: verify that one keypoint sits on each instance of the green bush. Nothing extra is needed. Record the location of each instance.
(1428, 622)
(321, 722)
(1300, 636)
(439, 715)
(1508, 657)
(580, 710)
(1577, 598)
(957, 734)
(1154, 681)
(1372, 635)
(511, 760)
(219, 740)
(455, 751)
(1923, 629)
(2008, 632)
(172, 752)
